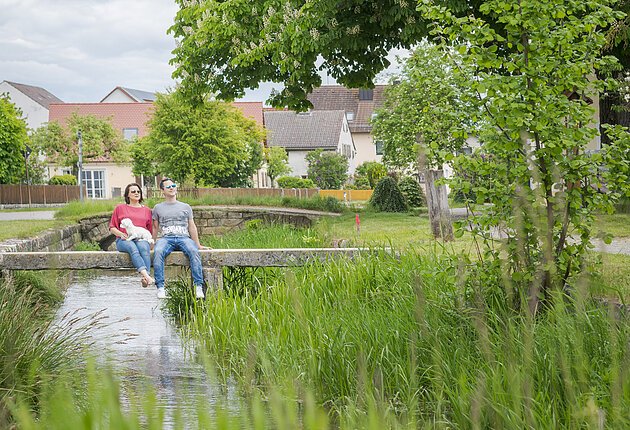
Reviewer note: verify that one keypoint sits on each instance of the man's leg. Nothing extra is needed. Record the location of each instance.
(189, 247)
(163, 248)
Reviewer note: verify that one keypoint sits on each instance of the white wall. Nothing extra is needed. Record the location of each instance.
(297, 162)
(345, 138)
(118, 96)
(34, 113)
(366, 149)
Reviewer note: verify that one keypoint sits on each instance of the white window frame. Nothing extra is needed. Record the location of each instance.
(89, 181)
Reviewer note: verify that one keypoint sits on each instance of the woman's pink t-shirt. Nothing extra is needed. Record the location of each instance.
(140, 216)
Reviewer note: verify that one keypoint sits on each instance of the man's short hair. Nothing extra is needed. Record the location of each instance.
(164, 180)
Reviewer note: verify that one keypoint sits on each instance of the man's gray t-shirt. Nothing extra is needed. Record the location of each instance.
(173, 218)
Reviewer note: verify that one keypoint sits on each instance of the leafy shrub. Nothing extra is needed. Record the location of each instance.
(328, 170)
(412, 191)
(370, 172)
(295, 182)
(387, 196)
(63, 180)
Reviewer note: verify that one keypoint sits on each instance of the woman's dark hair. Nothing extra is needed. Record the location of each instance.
(133, 184)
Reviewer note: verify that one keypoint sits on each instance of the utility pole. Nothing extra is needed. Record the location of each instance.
(27, 152)
(80, 165)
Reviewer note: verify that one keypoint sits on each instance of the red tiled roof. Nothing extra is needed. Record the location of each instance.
(123, 115)
(252, 110)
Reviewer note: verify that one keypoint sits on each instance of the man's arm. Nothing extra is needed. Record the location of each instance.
(194, 234)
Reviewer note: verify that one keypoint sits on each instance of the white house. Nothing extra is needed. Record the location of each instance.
(33, 101)
(300, 133)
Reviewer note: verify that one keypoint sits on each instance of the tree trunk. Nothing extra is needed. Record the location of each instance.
(437, 199)
(437, 203)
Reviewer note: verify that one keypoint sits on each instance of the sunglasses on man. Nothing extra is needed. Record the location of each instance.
(168, 187)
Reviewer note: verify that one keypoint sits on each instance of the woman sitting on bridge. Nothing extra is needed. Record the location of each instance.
(140, 215)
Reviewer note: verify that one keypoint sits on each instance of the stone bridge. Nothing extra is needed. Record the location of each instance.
(212, 260)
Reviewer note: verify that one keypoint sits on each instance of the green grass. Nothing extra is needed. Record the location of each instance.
(616, 224)
(418, 337)
(22, 229)
(75, 210)
(33, 351)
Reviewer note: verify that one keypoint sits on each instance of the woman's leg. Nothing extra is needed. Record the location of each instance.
(131, 248)
(145, 252)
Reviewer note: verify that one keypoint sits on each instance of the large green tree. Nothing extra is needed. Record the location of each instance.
(59, 142)
(13, 138)
(209, 143)
(225, 47)
(535, 71)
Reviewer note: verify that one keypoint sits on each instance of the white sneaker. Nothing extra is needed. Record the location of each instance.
(199, 292)
(161, 293)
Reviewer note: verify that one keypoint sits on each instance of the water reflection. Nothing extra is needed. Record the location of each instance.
(141, 344)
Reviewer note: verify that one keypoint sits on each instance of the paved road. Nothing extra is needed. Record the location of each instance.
(14, 216)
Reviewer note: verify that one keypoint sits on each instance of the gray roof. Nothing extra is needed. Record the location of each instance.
(37, 94)
(139, 95)
(305, 130)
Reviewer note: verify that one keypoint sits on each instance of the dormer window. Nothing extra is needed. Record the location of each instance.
(350, 116)
(366, 94)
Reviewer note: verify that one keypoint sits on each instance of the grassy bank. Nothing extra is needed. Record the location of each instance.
(420, 337)
(34, 352)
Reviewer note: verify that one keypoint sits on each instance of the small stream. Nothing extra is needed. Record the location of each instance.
(143, 346)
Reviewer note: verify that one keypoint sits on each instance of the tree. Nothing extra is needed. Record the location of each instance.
(535, 71)
(281, 41)
(210, 143)
(370, 171)
(277, 161)
(60, 145)
(329, 170)
(387, 196)
(13, 140)
(425, 118)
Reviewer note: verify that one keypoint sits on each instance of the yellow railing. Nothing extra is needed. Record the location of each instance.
(347, 195)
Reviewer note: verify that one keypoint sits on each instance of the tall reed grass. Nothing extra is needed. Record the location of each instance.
(421, 338)
(34, 350)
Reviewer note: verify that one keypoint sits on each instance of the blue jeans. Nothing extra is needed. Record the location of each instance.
(139, 250)
(167, 244)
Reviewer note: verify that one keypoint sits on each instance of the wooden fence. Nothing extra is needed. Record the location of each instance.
(238, 192)
(347, 195)
(38, 194)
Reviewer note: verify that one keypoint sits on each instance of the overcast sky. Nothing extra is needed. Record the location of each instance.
(80, 50)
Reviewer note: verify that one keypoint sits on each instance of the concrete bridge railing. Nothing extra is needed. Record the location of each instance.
(212, 260)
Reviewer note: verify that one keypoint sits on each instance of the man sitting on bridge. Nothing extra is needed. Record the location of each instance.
(174, 219)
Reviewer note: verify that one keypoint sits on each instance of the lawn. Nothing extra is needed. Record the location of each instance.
(27, 228)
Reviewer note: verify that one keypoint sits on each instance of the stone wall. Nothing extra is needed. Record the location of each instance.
(211, 220)
(51, 240)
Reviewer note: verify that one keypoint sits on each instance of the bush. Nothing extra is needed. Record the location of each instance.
(63, 180)
(387, 196)
(412, 191)
(370, 172)
(295, 182)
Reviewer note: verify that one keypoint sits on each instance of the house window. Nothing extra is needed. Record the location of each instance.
(94, 182)
(379, 147)
(366, 94)
(350, 116)
(374, 115)
(130, 133)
